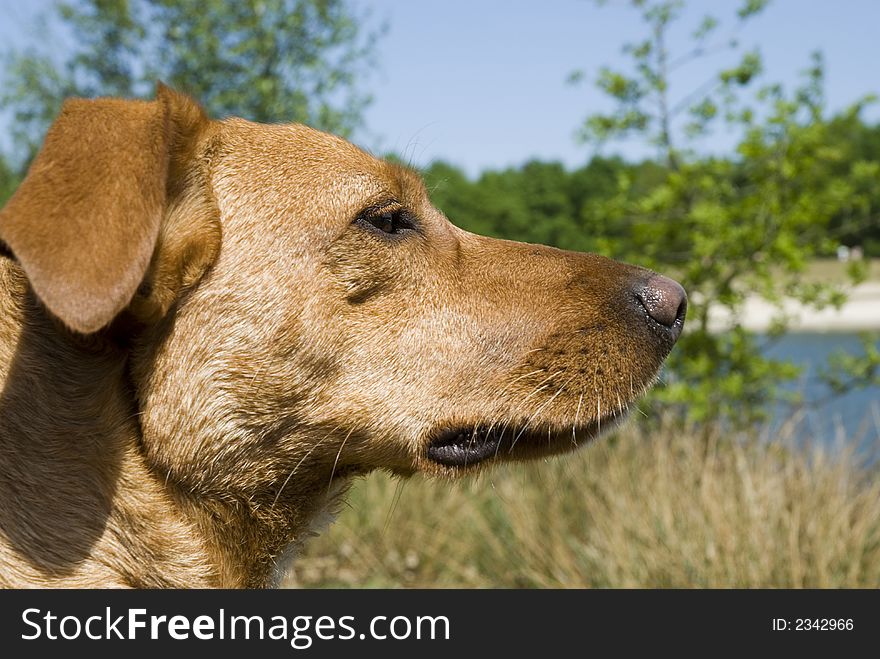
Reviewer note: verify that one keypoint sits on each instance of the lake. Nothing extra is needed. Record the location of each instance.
(854, 417)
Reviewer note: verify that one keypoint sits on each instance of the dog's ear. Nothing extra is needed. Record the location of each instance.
(85, 222)
(189, 236)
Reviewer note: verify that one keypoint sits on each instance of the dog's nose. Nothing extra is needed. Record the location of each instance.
(665, 301)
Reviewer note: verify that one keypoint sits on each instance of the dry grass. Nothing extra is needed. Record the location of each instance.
(643, 509)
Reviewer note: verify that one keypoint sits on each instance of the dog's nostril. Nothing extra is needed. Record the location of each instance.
(665, 301)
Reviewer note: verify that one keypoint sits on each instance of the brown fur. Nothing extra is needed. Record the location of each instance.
(197, 339)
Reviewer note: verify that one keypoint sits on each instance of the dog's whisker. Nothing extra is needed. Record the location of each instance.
(298, 464)
(576, 416)
(508, 386)
(539, 410)
(499, 394)
(536, 390)
(541, 386)
(336, 461)
(507, 423)
(398, 490)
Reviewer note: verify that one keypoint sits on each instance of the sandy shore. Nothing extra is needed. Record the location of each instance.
(860, 313)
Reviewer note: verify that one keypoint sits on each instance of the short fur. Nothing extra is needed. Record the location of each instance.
(199, 339)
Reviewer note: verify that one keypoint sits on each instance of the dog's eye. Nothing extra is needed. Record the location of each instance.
(392, 222)
(384, 222)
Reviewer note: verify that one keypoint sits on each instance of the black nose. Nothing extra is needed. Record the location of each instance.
(666, 303)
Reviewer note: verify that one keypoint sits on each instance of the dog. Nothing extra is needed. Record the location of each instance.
(209, 328)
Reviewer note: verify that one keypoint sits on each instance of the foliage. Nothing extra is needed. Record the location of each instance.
(8, 181)
(732, 228)
(846, 371)
(267, 60)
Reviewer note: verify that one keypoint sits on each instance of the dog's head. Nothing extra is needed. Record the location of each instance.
(298, 309)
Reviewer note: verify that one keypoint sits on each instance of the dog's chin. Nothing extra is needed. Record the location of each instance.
(460, 447)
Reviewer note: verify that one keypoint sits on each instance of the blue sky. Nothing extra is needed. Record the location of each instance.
(482, 83)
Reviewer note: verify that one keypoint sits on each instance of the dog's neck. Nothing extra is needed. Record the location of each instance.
(252, 543)
(80, 504)
(324, 514)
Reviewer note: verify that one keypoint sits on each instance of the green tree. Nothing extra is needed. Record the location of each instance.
(8, 180)
(458, 197)
(267, 60)
(728, 228)
(858, 142)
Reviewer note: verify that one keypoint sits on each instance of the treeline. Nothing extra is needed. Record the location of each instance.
(543, 202)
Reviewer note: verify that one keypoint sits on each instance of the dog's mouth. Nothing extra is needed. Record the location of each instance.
(459, 447)
(467, 446)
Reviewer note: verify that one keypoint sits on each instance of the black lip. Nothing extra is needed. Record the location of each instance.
(468, 446)
(459, 447)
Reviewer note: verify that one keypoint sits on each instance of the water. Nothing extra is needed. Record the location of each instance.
(853, 417)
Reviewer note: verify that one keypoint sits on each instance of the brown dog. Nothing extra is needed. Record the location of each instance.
(208, 328)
